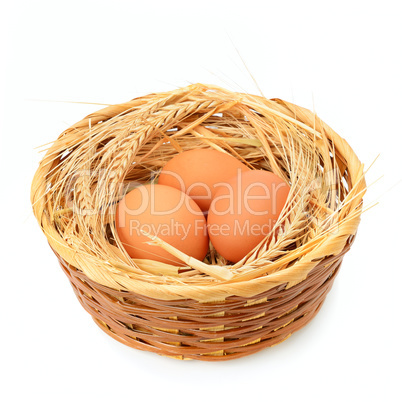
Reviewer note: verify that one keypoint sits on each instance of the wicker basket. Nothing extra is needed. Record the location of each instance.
(210, 310)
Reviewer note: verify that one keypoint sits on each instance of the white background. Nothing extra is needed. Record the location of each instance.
(343, 59)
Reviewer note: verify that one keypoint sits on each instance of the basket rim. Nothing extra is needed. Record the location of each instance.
(107, 274)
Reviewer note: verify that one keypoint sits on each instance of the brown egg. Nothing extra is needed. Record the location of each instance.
(243, 213)
(198, 172)
(167, 213)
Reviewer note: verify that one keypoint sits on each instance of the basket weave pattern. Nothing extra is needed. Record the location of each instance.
(218, 331)
(211, 310)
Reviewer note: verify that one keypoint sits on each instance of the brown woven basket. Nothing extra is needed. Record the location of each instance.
(210, 310)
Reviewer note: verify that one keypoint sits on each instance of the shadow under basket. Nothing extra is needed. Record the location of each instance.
(187, 329)
(211, 309)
